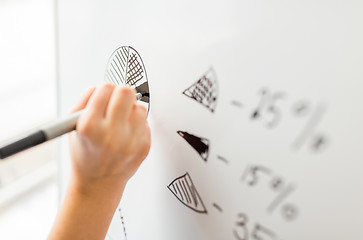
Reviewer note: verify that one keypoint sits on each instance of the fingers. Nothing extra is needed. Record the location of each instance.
(121, 104)
(144, 142)
(82, 103)
(138, 119)
(98, 103)
(115, 107)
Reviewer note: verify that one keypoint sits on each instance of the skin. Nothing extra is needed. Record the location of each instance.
(111, 140)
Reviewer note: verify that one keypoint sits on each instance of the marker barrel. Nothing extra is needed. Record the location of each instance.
(44, 134)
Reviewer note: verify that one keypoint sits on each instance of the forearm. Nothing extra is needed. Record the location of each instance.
(87, 213)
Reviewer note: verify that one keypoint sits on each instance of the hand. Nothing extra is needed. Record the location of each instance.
(112, 137)
(111, 140)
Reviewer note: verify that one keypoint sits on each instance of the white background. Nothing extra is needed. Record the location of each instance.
(28, 190)
(308, 50)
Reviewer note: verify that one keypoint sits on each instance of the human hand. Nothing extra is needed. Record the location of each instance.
(111, 140)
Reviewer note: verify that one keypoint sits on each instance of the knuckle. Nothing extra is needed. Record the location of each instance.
(107, 86)
(104, 88)
(126, 91)
(141, 111)
(142, 108)
(85, 127)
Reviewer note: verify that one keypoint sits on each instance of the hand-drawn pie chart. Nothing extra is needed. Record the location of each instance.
(125, 67)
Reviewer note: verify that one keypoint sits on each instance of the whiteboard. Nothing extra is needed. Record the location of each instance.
(256, 112)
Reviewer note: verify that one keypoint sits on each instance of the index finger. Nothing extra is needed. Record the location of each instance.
(98, 103)
(121, 104)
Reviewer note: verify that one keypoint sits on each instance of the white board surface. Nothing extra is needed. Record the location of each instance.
(276, 155)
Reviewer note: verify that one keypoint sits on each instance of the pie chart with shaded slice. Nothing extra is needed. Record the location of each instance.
(125, 67)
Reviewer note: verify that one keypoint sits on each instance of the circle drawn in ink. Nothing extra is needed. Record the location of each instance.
(125, 67)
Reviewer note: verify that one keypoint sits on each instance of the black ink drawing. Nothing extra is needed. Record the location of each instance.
(280, 198)
(318, 140)
(267, 108)
(117, 229)
(217, 207)
(241, 230)
(262, 233)
(277, 183)
(289, 211)
(185, 191)
(236, 104)
(251, 175)
(259, 232)
(201, 145)
(123, 222)
(222, 159)
(134, 70)
(125, 67)
(301, 108)
(205, 90)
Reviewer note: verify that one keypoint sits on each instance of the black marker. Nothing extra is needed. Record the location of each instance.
(47, 133)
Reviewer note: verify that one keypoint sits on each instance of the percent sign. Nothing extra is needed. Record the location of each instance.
(318, 141)
(252, 176)
(288, 211)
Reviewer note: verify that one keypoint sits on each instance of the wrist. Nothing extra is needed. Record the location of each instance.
(87, 205)
(108, 189)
